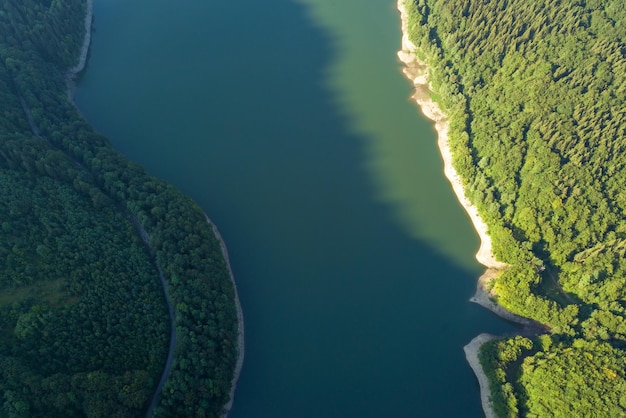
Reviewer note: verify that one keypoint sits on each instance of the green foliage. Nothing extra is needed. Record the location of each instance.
(83, 235)
(556, 382)
(79, 295)
(536, 91)
(496, 357)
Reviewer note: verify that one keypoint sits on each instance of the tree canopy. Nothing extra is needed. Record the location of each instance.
(83, 235)
(536, 96)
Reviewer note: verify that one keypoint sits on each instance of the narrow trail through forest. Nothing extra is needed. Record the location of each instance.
(170, 310)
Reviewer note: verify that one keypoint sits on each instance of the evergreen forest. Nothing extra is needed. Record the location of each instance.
(102, 266)
(535, 92)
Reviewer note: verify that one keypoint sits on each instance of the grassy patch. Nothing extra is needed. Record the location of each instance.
(53, 292)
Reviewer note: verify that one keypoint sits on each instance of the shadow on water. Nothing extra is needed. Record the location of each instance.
(347, 315)
(401, 154)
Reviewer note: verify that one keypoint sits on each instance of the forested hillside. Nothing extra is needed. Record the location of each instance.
(85, 326)
(536, 96)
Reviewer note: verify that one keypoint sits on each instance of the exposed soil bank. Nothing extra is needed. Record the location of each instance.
(70, 77)
(417, 72)
(471, 354)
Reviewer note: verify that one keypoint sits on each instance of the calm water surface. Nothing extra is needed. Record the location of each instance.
(290, 123)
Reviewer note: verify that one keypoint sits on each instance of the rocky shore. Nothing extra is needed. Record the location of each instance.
(417, 71)
(471, 354)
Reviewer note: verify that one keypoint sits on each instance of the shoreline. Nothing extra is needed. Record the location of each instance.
(417, 71)
(471, 355)
(70, 78)
(484, 298)
(84, 50)
(240, 327)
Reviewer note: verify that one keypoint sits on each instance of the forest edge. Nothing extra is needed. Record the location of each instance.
(417, 71)
(71, 77)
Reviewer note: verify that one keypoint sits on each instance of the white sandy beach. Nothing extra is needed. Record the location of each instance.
(417, 72)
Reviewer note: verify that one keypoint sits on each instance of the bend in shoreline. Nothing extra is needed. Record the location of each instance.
(70, 77)
(84, 50)
(471, 355)
(240, 326)
(417, 72)
(484, 298)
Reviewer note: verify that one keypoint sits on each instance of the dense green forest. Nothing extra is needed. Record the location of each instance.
(83, 235)
(536, 97)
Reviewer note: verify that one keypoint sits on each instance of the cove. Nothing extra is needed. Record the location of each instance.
(290, 123)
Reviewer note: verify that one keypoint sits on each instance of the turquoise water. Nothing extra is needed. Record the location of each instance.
(290, 123)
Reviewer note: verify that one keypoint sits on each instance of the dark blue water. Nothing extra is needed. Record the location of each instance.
(291, 125)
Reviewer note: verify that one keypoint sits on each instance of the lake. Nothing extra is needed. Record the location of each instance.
(291, 124)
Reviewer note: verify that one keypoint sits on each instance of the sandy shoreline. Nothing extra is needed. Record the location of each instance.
(416, 71)
(471, 354)
(84, 51)
(485, 299)
(240, 327)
